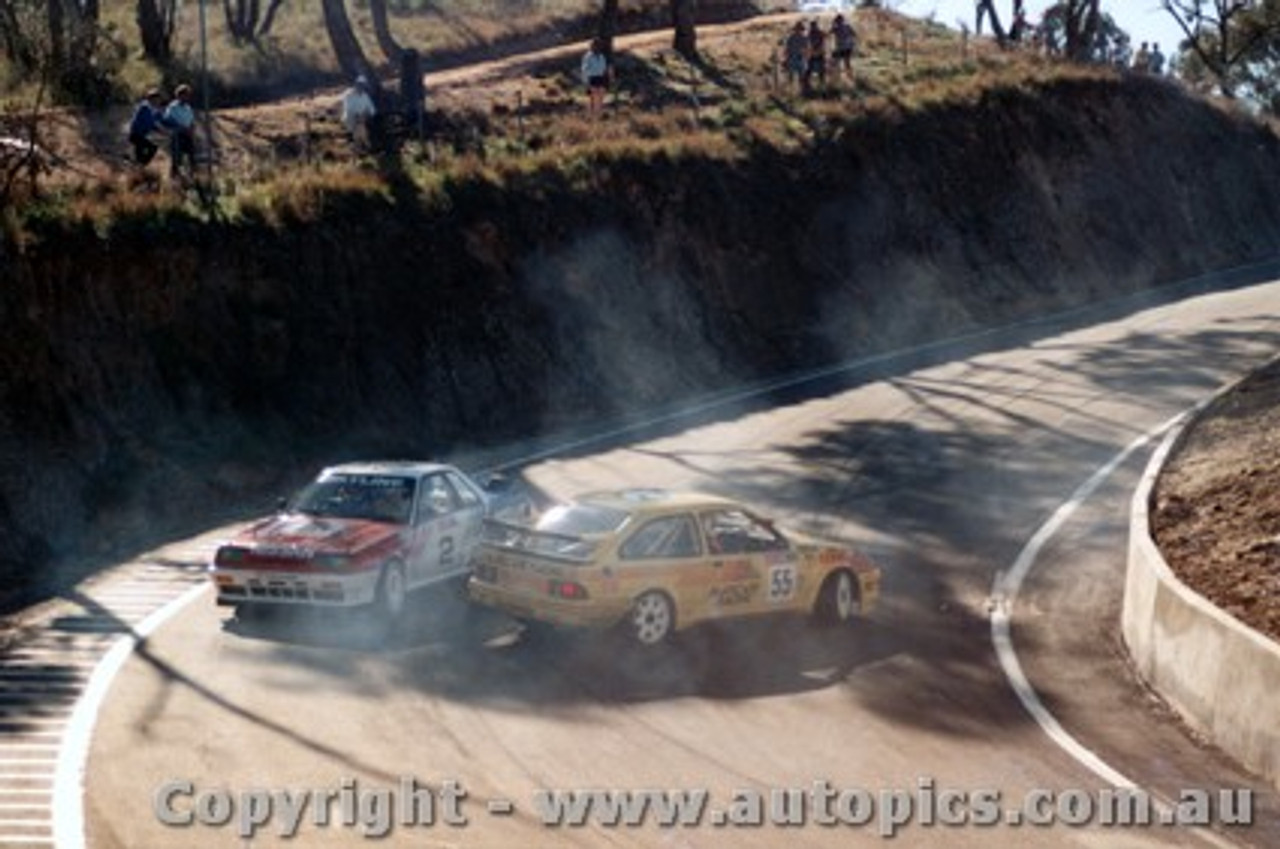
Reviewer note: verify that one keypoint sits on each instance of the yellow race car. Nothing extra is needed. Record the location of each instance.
(653, 562)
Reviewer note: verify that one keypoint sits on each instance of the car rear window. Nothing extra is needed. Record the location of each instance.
(582, 519)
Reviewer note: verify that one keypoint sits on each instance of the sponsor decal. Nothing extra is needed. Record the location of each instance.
(732, 595)
(782, 583)
(736, 570)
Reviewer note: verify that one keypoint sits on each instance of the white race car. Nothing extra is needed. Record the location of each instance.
(361, 534)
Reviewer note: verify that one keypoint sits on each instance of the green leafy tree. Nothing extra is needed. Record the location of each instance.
(1080, 31)
(1231, 46)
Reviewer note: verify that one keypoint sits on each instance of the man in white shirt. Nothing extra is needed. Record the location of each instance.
(357, 111)
(595, 75)
(180, 119)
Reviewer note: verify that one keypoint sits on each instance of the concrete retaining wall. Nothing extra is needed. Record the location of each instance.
(1222, 676)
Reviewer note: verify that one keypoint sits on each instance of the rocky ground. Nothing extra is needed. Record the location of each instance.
(1217, 509)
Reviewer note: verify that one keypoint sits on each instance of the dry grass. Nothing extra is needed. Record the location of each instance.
(287, 160)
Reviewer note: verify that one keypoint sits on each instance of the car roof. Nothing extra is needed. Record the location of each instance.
(651, 500)
(413, 468)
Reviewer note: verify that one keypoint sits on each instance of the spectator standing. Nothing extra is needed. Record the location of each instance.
(846, 44)
(358, 113)
(794, 49)
(1019, 28)
(145, 121)
(595, 76)
(1142, 59)
(982, 10)
(817, 58)
(1155, 62)
(180, 120)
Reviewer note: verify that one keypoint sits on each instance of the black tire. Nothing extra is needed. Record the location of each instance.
(837, 600)
(652, 619)
(389, 600)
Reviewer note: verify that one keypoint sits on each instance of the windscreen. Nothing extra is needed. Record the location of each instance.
(381, 498)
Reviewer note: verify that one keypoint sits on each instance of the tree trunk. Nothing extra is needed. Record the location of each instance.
(57, 24)
(241, 19)
(608, 27)
(155, 28)
(684, 15)
(84, 33)
(382, 29)
(269, 18)
(346, 48)
(17, 46)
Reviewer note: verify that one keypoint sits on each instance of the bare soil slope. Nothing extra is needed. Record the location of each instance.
(1217, 516)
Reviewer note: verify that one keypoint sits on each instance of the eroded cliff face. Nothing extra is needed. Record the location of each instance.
(157, 381)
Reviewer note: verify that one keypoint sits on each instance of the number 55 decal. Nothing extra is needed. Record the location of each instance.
(782, 582)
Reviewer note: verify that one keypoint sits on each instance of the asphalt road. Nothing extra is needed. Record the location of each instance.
(942, 471)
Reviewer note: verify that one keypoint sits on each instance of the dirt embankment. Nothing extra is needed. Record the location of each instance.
(160, 375)
(1217, 504)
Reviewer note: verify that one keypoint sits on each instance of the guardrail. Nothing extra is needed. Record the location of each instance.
(1220, 675)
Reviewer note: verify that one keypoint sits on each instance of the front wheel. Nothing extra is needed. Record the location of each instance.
(838, 600)
(390, 597)
(652, 619)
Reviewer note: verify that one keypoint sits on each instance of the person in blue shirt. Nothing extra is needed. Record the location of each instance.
(145, 121)
(180, 118)
(595, 74)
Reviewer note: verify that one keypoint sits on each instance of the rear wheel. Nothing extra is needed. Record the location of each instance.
(652, 619)
(838, 599)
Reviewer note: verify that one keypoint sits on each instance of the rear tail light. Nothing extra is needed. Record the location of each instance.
(568, 590)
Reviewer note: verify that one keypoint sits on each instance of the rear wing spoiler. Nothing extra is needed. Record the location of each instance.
(509, 536)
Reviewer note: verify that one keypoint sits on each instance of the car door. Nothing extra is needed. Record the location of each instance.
(666, 553)
(436, 531)
(756, 568)
(470, 514)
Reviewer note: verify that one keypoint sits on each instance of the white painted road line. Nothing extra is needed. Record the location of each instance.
(69, 781)
(1004, 595)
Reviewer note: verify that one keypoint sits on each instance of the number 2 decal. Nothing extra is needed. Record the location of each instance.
(782, 582)
(446, 552)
